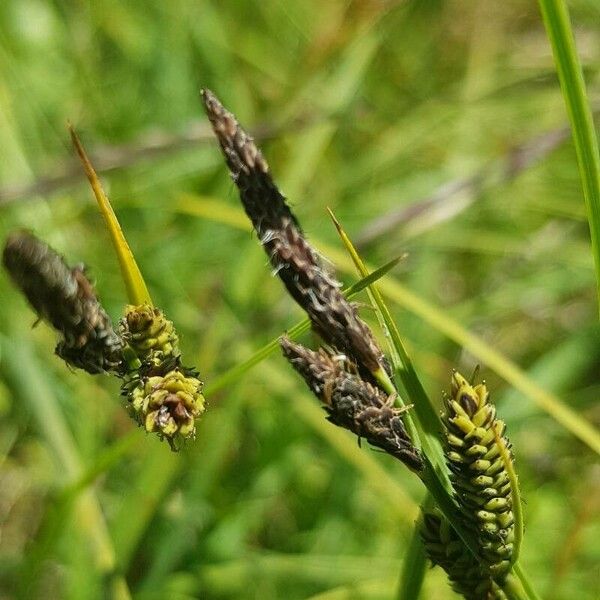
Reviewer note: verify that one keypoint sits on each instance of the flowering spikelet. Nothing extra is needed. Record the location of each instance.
(162, 395)
(168, 404)
(444, 548)
(476, 451)
(352, 402)
(150, 335)
(293, 259)
(65, 298)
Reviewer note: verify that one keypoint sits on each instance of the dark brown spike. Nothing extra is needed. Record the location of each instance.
(65, 298)
(264, 204)
(294, 260)
(353, 403)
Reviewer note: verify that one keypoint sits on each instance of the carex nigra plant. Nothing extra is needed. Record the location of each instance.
(471, 524)
(162, 395)
(471, 531)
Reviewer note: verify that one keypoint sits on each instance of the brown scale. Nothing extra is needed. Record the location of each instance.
(353, 403)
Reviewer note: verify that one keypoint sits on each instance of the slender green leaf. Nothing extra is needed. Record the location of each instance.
(558, 27)
(429, 424)
(293, 332)
(413, 564)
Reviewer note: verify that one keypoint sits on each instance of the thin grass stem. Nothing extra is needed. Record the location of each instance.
(558, 28)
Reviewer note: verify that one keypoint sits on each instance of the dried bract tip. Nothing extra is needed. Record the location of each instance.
(352, 402)
(65, 298)
(477, 453)
(333, 317)
(168, 405)
(444, 547)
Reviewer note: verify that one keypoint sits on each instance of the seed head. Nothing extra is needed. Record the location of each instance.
(150, 335)
(65, 298)
(298, 265)
(444, 547)
(168, 405)
(352, 402)
(476, 451)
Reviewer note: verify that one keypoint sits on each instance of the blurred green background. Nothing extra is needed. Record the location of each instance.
(433, 128)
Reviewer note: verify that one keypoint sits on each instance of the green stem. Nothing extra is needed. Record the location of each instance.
(525, 583)
(414, 561)
(558, 27)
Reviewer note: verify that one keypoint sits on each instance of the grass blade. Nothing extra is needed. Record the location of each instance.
(429, 421)
(558, 27)
(137, 292)
(413, 566)
(19, 365)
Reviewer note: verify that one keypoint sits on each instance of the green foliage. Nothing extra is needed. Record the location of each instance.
(568, 66)
(366, 108)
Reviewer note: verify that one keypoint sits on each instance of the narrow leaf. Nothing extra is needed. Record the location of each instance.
(429, 421)
(414, 563)
(137, 291)
(558, 27)
(293, 333)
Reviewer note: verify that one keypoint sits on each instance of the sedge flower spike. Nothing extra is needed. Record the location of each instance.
(150, 335)
(353, 403)
(64, 297)
(163, 396)
(477, 452)
(445, 549)
(296, 263)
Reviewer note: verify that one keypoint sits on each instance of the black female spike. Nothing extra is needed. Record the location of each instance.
(65, 298)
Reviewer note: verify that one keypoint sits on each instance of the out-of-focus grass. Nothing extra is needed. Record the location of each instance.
(371, 106)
